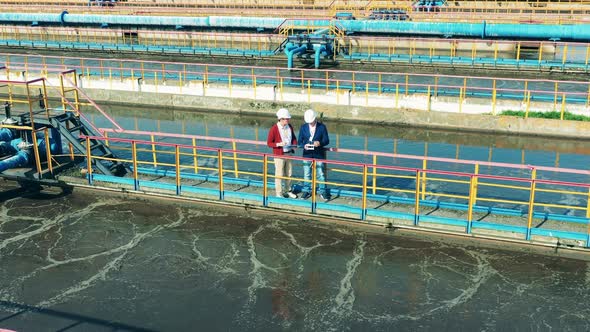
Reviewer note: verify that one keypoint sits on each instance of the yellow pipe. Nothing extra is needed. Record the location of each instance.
(195, 158)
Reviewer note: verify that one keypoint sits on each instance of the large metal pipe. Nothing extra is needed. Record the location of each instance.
(292, 53)
(318, 52)
(577, 32)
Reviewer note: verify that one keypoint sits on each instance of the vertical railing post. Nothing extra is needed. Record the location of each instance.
(374, 174)
(265, 181)
(135, 171)
(471, 203)
(235, 157)
(195, 156)
(154, 157)
(89, 162)
(220, 172)
(48, 151)
(531, 203)
(177, 160)
(423, 184)
(417, 198)
(364, 197)
(588, 219)
(313, 185)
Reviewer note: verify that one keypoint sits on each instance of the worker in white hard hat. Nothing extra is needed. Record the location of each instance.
(281, 138)
(313, 138)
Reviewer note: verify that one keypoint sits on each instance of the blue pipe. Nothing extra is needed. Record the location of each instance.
(318, 52)
(292, 53)
(576, 32)
(6, 135)
(21, 158)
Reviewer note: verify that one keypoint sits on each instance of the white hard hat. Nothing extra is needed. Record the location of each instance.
(309, 116)
(283, 113)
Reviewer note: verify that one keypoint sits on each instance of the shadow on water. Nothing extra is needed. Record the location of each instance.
(78, 319)
(34, 191)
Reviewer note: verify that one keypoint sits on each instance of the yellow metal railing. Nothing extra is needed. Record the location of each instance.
(527, 192)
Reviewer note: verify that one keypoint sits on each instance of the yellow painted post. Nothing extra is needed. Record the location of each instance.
(470, 204)
(524, 94)
(195, 156)
(206, 74)
(302, 80)
(265, 180)
(177, 160)
(379, 88)
(528, 104)
(353, 83)
(540, 53)
(106, 138)
(476, 181)
(495, 52)
(135, 164)
(233, 145)
(518, 51)
(555, 97)
(89, 160)
(531, 203)
(494, 97)
(564, 57)
(220, 173)
(417, 198)
(562, 106)
(48, 152)
(407, 84)
(374, 174)
(435, 86)
(36, 153)
(155, 160)
(364, 200)
(423, 190)
(461, 100)
(428, 100)
(396, 95)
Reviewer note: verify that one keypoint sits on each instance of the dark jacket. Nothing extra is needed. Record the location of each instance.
(320, 135)
(274, 137)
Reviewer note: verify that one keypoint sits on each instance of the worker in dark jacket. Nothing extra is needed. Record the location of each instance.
(313, 139)
(281, 138)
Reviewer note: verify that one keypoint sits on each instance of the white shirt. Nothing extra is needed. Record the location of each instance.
(286, 136)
